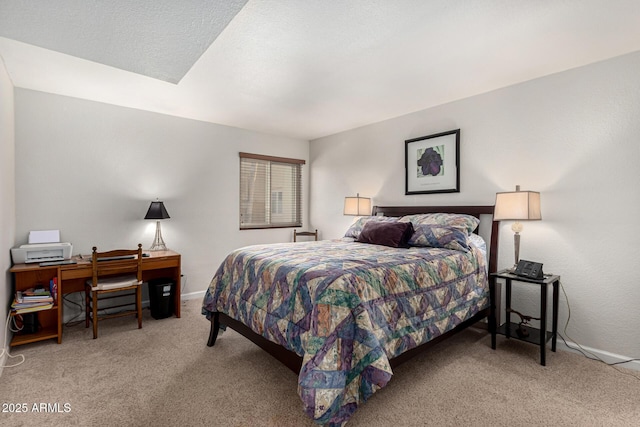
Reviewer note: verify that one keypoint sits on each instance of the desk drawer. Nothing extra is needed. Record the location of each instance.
(158, 263)
(68, 273)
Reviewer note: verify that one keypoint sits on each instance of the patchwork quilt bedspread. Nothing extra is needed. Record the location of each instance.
(346, 308)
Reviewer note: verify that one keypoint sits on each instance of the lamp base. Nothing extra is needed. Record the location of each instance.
(158, 242)
(516, 247)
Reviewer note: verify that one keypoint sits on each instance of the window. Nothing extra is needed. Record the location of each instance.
(270, 191)
(276, 202)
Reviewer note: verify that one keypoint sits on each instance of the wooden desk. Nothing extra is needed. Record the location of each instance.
(72, 277)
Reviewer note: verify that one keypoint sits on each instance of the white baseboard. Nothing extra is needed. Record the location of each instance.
(605, 356)
(192, 295)
(560, 345)
(72, 312)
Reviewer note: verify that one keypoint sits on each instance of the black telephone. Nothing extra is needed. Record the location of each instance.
(530, 269)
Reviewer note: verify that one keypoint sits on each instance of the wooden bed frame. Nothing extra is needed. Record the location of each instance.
(294, 362)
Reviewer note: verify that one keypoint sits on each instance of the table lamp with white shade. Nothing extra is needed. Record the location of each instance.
(517, 206)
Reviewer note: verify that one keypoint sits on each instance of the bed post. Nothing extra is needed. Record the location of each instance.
(494, 291)
(215, 327)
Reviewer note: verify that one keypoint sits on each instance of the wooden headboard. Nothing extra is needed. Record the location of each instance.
(469, 210)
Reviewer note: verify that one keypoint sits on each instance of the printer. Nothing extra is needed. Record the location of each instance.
(43, 246)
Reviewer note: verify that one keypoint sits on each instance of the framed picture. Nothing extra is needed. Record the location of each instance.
(432, 163)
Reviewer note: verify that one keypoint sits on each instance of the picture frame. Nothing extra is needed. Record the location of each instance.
(432, 163)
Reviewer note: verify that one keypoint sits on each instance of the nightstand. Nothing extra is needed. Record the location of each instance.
(527, 333)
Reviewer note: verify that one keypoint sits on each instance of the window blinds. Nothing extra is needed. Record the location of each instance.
(270, 191)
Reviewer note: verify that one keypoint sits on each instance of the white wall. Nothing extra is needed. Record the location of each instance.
(91, 170)
(7, 196)
(573, 136)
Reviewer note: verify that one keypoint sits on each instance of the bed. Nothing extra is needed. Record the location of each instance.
(343, 313)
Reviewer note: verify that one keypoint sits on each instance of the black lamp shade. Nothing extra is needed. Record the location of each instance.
(157, 211)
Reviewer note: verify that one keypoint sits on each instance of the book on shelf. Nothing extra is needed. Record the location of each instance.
(32, 299)
(21, 297)
(36, 300)
(53, 288)
(39, 298)
(34, 308)
(39, 290)
(17, 304)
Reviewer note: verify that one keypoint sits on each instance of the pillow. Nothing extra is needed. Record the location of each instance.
(439, 236)
(355, 228)
(478, 242)
(468, 223)
(394, 234)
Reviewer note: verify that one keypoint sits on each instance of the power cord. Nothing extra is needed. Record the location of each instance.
(73, 321)
(13, 326)
(584, 352)
(5, 350)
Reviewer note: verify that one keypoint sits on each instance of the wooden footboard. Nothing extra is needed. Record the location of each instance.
(294, 362)
(286, 357)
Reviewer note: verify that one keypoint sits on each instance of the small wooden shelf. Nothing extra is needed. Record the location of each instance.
(534, 333)
(49, 321)
(45, 334)
(47, 328)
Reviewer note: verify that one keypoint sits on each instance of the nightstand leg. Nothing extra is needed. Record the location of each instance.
(507, 284)
(543, 323)
(493, 327)
(554, 329)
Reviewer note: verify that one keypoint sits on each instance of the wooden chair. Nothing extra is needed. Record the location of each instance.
(116, 274)
(305, 233)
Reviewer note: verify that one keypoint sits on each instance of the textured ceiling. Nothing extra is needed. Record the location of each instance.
(303, 68)
(157, 38)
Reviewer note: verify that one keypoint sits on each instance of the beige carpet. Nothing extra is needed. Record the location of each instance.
(165, 375)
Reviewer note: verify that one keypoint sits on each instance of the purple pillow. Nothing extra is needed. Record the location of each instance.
(393, 234)
(355, 228)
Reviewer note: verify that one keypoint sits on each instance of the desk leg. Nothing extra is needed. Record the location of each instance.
(543, 323)
(60, 303)
(554, 329)
(178, 293)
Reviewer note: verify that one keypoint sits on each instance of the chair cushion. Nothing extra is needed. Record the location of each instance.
(115, 282)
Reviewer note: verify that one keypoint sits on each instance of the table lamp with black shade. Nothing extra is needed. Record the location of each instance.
(158, 212)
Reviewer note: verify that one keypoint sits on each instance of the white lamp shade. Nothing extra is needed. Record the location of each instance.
(517, 206)
(359, 206)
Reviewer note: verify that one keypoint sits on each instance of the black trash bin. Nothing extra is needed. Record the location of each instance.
(161, 297)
